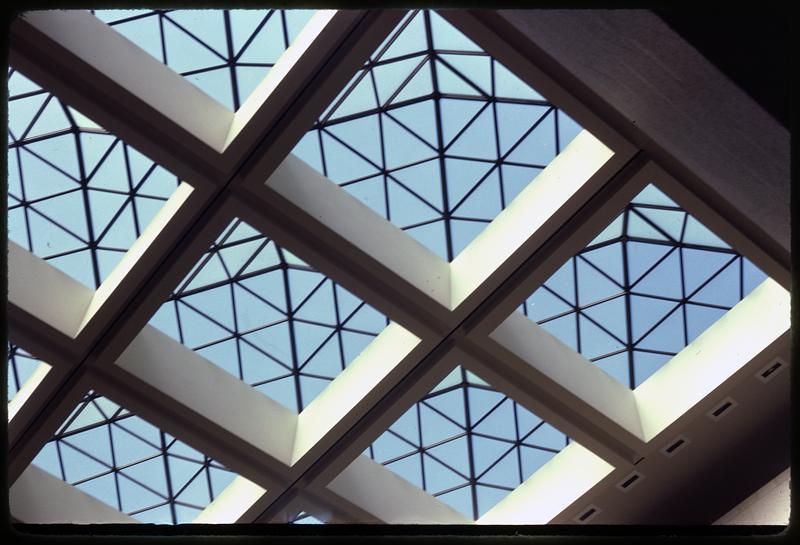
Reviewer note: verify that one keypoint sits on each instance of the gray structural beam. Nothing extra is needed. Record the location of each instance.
(646, 83)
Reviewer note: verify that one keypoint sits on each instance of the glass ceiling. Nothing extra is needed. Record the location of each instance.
(262, 314)
(435, 135)
(225, 53)
(643, 289)
(77, 195)
(431, 133)
(467, 444)
(131, 465)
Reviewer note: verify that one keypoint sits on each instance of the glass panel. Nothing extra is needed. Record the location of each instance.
(225, 53)
(131, 465)
(21, 366)
(643, 289)
(77, 195)
(435, 135)
(467, 444)
(262, 314)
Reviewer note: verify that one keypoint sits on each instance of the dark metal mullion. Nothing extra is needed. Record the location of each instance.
(399, 89)
(240, 366)
(440, 413)
(525, 135)
(516, 430)
(653, 225)
(598, 269)
(576, 307)
(628, 306)
(464, 78)
(252, 37)
(285, 29)
(710, 279)
(37, 115)
(661, 321)
(440, 146)
(131, 191)
(114, 466)
(62, 227)
(374, 111)
(195, 38)
(52, 165)
(25, 211)
(652, 267)
(20, 142)
(163, 38)
(683, 281)
(292, 338)
(489, 412)
(168, 478)
(421, 447)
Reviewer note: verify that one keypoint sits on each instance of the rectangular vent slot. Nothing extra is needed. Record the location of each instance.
(588, 514)
(769, 372)
(721, 410)
(675, 446)
(630, 481)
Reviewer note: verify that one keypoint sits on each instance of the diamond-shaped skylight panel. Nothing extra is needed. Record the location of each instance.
(226, 53)
(77, 195)
(21, 366)
(265, 316)
(435, 135)
(467, 444)
(644, 288)
(129, 464)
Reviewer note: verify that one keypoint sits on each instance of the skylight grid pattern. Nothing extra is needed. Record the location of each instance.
(129, 464)
(467, 444)
(21, 366)
(643, 289)
(77, 195)
(225, 53)
(259, 312)
(436, 135)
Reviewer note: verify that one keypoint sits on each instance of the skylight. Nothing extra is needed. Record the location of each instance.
(298, 384)
(262, 314)
(226, 53)
(436, 135)
(467, 444)
(77, 195)
(127, 463)
(643, 289)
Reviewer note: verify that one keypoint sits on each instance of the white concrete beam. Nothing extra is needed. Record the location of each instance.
(43, 299)
(391, 498)
(39, 498)
(232, 503)
(183, 393)
(336, 233)
(552, 489)
(117, 84)
(549, 378)
(731, 343)
(354, 390)
(530, 220)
